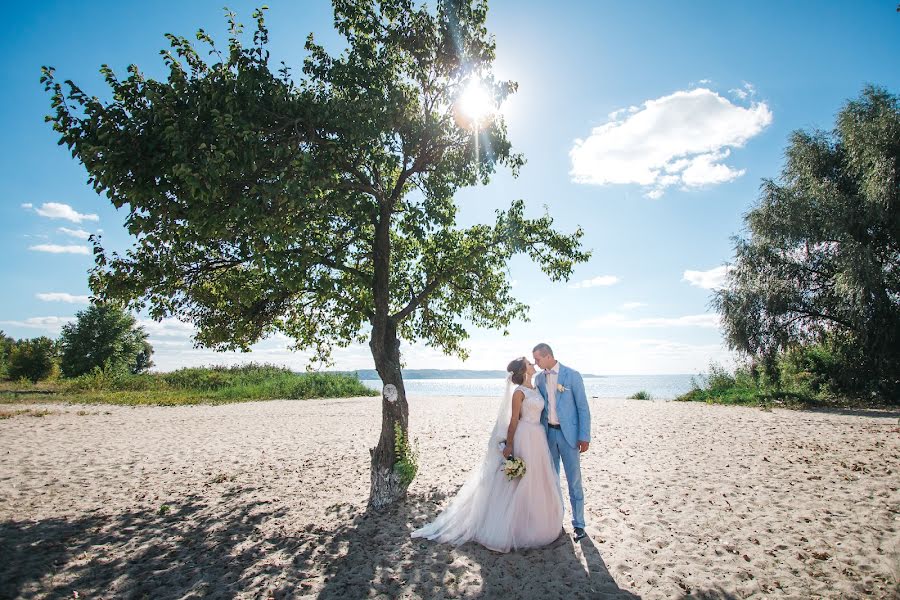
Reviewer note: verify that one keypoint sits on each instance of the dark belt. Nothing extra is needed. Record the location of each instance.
(551, 425)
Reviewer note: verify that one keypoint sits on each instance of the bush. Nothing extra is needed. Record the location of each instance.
(97, 380)
(815, 368)
(220, 377)
(6, 346)
(106, 337)
(748, 384)
(641, 395)
(719, 379)
(212, 384)
(33, 359)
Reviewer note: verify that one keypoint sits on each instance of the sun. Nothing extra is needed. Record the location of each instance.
(475, 106)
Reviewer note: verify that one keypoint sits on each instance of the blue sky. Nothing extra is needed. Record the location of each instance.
(648, 124)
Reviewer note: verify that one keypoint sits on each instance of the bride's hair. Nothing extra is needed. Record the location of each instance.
(517, 368)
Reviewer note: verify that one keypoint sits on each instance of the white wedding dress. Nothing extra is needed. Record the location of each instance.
(500, 514)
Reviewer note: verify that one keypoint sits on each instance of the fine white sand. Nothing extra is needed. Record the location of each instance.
(267, 499)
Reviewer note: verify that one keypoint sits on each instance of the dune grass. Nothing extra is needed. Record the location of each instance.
(203, 385)
(719, 386)
(641, 395)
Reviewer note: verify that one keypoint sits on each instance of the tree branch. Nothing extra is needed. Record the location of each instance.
(431, 286)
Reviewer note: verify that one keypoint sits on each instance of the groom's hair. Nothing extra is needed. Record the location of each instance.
(544, 349)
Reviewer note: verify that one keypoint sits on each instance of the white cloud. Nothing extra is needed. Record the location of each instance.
(633, 305)
(58, 249)
(174, 349)
(600, 280)
(744, 92)
(27, 205)
(709, 320)
(49, 324)
(710, 280)
(706, 169)
(616, 114)
(57, 210)
(62, 297)
(81, 234)
(169, 327)
(680, 139)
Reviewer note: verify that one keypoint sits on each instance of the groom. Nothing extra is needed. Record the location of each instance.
(567, 419)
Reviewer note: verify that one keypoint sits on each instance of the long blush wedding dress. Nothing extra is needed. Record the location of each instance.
(500, 514)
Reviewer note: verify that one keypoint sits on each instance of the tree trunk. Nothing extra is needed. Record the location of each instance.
(387, 486)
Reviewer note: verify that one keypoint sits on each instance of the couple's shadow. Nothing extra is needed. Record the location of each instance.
(380, 558)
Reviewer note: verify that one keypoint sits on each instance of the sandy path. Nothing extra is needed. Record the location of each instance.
(267, 499)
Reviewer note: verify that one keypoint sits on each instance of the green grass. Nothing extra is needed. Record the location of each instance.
(747, 396)
(739, 388)
(641, 395)
(213, 385)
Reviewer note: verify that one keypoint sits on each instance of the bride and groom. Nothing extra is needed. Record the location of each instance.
(542, 424)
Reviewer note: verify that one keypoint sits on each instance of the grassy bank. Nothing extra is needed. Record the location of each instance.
(789, 390)
(212, 385)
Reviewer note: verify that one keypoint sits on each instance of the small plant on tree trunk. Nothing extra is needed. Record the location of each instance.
(407, 464)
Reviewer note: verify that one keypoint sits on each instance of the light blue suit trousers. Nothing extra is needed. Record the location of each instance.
(575, 425)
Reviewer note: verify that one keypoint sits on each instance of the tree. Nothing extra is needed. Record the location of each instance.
(6, 345)
(104, 336)
(324, 207)
(142, 361)
(822, 262)
(33, 359)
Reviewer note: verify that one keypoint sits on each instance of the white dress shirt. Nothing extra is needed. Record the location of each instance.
(552, 378)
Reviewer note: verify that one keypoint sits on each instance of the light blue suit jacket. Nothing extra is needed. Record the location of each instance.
(571, 405)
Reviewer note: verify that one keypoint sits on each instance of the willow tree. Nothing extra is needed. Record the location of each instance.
(320, 206)
(822, 261)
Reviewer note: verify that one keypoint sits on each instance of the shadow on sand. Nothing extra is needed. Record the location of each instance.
(189, 550)
(710, 594)
(239, 547)
(382, 561)
(880, 412)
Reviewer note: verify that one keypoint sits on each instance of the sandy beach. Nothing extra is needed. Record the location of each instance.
(267, 500)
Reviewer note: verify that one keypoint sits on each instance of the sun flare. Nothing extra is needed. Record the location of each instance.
(475, 106)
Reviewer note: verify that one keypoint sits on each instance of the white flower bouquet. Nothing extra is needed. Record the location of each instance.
(514, 467)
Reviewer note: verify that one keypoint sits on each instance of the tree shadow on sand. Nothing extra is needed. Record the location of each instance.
(237, 546)
(716, 593)
(190, 550)
(875, 413)
(381, 560)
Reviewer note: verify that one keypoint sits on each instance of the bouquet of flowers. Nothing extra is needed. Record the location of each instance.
(514, 467)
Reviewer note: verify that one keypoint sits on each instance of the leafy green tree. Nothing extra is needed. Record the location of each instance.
(33, 359)
(143, 362)
(6, 346)
(822, 261)
(321, 207)
(104, 336)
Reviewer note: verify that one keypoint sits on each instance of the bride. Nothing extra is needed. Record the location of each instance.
(497, 512)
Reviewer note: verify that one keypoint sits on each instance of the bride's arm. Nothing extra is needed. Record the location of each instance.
(517, 399)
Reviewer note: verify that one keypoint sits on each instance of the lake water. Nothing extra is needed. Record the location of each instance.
(660, 387)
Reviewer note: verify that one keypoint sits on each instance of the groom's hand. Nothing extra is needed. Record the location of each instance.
(583, 446)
